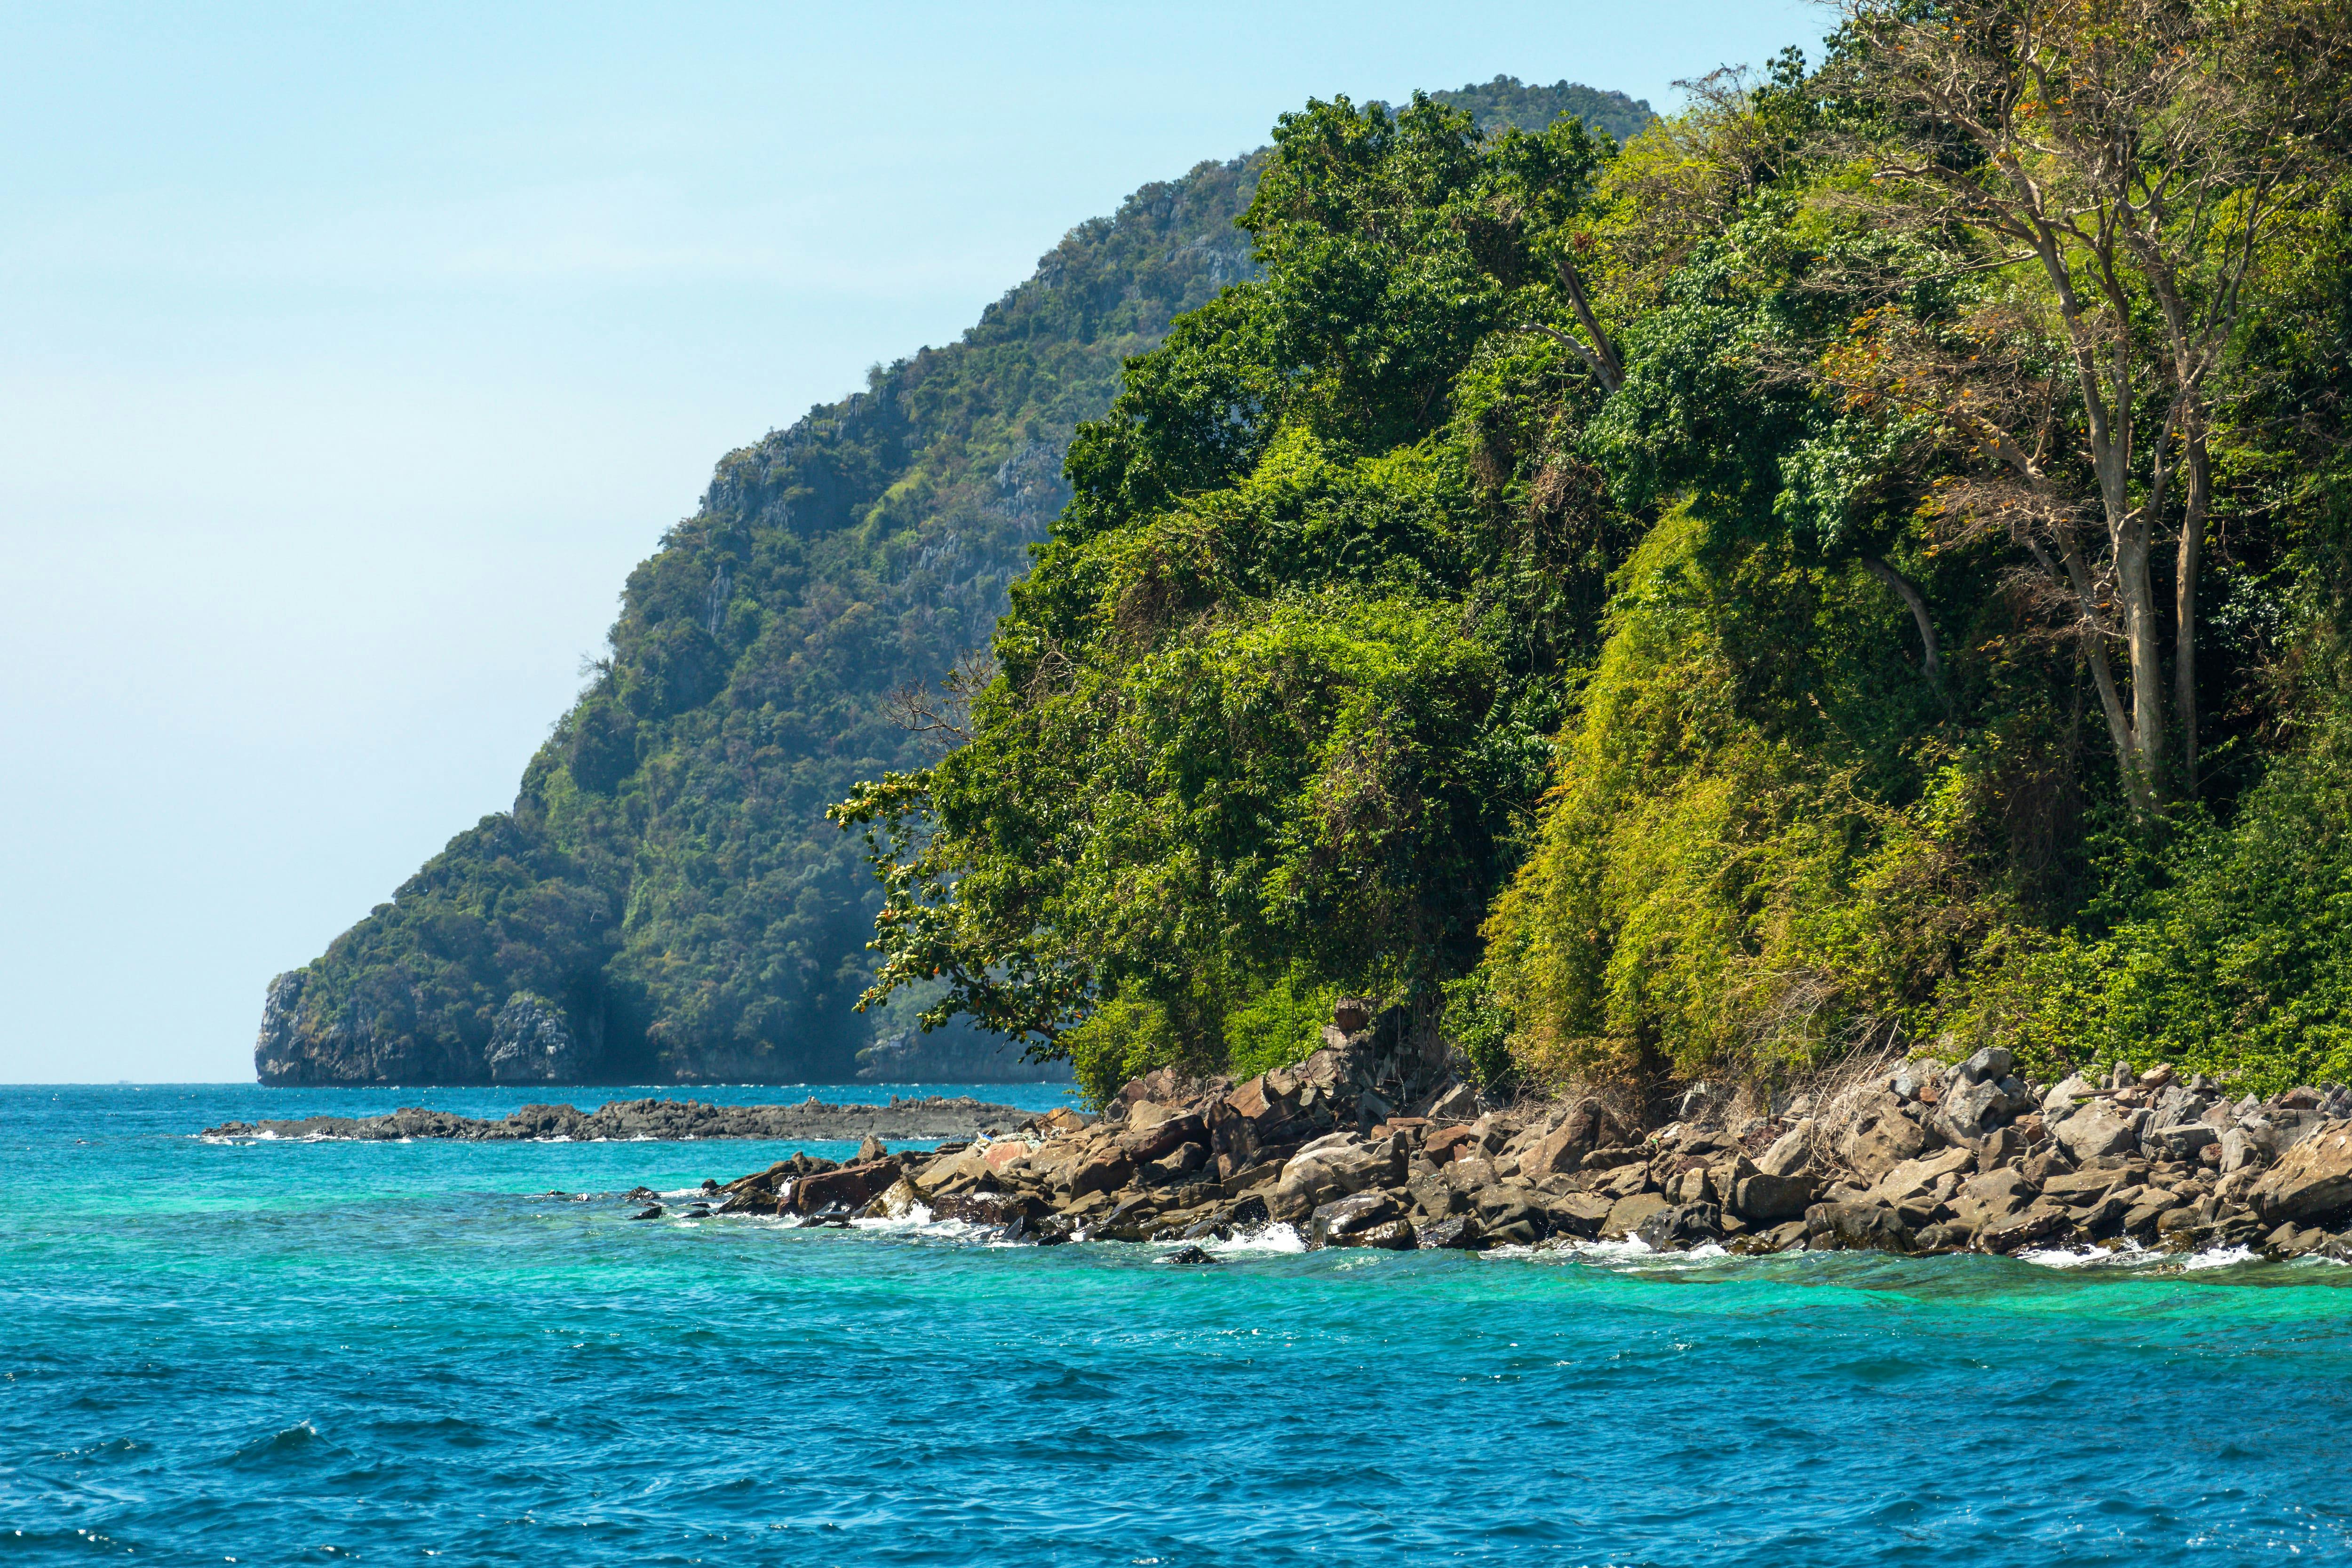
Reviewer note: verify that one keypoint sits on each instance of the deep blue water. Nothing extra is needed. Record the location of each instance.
(394, 1353)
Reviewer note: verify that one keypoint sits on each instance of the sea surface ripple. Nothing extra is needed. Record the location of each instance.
(292, 1353)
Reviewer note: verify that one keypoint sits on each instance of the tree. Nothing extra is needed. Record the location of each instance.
(2133, 157)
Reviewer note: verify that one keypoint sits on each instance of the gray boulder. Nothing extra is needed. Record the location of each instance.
(1362, 1219)
(1974, 1107)
(1767, 1197)
(2094, 1130)
(1791, 1154)
(1683, 1226)
(2311, 1183)
(1331, 1168)
(1878, 1136)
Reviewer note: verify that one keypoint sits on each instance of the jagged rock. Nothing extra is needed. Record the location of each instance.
(1991, 1199)
(532, 1042)
(2242, 1149)
(895, 1201)
(1456, 1103)
(1332, 1167)
(1162, 1136)
(1868, 1226)
(2041, 1220)
(2065, 1094)
(1683, 1226)
(2312, 1182)
(1460, 1233)
(1628, 1213)
(1974, 1107)
(1791, 1154)
(1879, 1136)
(850, 1187)
(1343, 1221)
(2094, 1130)
(2186, 1141)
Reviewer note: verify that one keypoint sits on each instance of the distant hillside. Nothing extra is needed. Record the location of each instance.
(665, 902)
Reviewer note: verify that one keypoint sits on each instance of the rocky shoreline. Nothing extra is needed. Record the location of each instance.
(1930, 1158)
(626, 1120)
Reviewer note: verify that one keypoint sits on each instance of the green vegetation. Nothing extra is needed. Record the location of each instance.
(1864, 561)
(667, 875)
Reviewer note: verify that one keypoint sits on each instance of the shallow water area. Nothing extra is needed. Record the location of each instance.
(297, 1352)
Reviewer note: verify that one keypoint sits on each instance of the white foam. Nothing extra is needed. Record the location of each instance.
(2221, 1258)
(1276, 1237)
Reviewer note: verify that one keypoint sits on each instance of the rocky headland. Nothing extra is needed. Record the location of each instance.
(628, 1119)
(1929, 1157)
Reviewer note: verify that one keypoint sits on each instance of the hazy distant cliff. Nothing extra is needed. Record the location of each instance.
(665, 902)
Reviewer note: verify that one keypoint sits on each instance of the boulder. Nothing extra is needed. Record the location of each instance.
(1765, 1197)
(1990, 1065)
(2066, 1093)
(1868, 1226)
(1458, 1104)
(1163, 1136)
(2186, 1141)
(1446, 1144)
(1627, 1214)
(1914, 1178)
(852, 1187)
(1878, 1137)
(1104, 1171)
(2242, 1148)
(1460, 1233)
(2041, 1220)
(1973, 1107)
(1559, 1151)
(1683, 1226)
(1331, 1168)
(1991, 1199)
(1344, 1221)
(895, 1201)
(2311, 1183)
(2094, 1130)
(1790, 1153)
(1431, 1197)
(1577, 1214)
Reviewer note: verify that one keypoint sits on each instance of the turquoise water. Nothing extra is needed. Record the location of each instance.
(390, 1352)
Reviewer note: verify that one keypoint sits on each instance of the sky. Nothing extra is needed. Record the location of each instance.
(350, 356)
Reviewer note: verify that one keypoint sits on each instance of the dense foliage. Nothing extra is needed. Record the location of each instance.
(667, 876)
(1861, 561)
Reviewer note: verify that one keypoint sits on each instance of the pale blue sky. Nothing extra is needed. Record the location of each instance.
(350, 357)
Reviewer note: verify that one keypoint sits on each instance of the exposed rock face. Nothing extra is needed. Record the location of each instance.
(532, 1042)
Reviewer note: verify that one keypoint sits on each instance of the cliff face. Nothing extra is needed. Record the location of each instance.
(665, 902)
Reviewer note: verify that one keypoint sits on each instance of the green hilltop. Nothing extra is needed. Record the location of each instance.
(665, 902)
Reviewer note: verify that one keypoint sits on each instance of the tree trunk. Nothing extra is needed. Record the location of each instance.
(2143, 644)
(1909, 592)
(2184, 596)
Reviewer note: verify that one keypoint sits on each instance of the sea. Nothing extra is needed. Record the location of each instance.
(286, 1353)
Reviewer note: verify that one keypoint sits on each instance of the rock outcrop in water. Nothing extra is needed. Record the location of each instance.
(625, 1119)
(1931, 1158)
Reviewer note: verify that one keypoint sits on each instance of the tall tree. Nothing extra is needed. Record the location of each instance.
(2133, 158)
